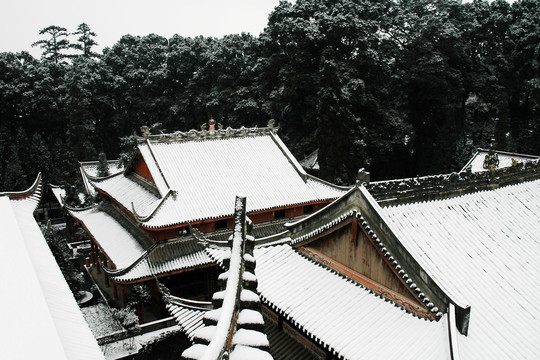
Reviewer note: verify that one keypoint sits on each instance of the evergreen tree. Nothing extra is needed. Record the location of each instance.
(103, 166)
(14, 178)
(55, 46)
(85, 42)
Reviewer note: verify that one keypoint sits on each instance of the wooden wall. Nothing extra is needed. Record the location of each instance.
(352, 248)
(142, 169)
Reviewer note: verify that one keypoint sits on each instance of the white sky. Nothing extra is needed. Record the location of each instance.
(21, 20)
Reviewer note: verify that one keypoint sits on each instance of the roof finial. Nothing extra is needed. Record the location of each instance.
(491, 161)
(362, 177)
(273, 126)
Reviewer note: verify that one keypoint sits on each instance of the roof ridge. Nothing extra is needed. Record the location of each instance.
(198, 135)
(532, 157)
(430, 187)
(157, 165)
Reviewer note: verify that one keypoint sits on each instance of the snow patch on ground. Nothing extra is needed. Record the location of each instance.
(100, 320)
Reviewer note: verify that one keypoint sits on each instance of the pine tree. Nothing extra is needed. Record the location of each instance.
(102, 167)
(85, 41)
(14, 177)
(54, 46)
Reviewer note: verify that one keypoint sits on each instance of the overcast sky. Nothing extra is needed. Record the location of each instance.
(21, 20)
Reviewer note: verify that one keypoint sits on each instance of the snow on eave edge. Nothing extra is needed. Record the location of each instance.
(33, 190)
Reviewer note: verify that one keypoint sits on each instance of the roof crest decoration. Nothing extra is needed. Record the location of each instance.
(491, 160)
(178, 301)
(199, 236)
(438, 186)
(199, 135)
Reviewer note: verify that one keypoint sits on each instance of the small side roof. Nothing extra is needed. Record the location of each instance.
(119, 244)
(89, 171)
(476, 163)
(165, 258)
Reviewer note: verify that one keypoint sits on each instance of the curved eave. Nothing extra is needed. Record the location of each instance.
(34, 192)
(325, 209)
(76, 209)
(188, 256)
(142, 219)
(159, 274)
(119, 272)
(329, 184)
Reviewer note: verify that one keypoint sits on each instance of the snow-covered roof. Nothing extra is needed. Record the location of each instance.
(188, 318)
(89, 170)
(167, 257)
(482, 249)
(41, 317)
(476, 163)
(475, 251)
(343, 317)
(198, 174)
(129, 193)
(120, 246)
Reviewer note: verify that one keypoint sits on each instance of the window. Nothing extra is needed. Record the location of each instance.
(279, 214)
(220, 224)
(308, 209)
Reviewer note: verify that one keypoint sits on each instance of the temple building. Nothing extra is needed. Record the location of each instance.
(435, 267)
(176, 182)
(432, 267)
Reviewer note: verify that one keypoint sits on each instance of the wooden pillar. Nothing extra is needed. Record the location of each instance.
(93, 253)
(105, 276)
(115, 290)
(140, 308)
(208, 285)
(123, 287)
(98, 264)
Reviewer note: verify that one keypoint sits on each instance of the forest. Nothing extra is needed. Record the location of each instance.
(399, 87)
